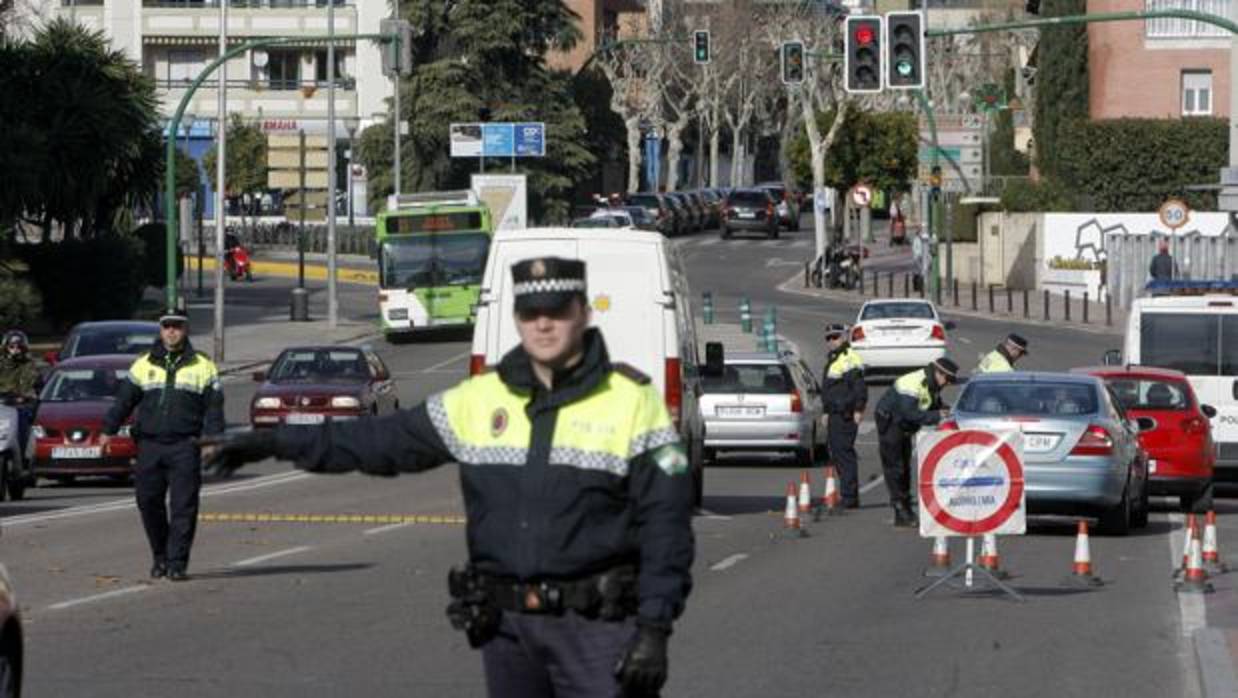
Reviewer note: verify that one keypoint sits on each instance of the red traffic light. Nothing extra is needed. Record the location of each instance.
(864, 35)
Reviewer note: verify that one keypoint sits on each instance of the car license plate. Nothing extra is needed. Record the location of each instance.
(746, 214)
(300, 418)
(1039, 442)
(77, 452)
(740, 411)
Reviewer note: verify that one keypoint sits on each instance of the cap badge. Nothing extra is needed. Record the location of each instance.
(538, 269)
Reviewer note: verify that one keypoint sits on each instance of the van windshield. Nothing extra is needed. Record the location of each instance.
(1188, 342)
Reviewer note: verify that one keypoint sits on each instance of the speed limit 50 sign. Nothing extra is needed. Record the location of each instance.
(971, 483)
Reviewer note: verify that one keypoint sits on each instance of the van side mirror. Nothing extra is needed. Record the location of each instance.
(1113, 357)
(1209, 411)
(715, 364)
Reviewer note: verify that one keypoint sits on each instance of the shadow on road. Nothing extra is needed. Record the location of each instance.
(731, 505)
(434, 336)
(263, 571)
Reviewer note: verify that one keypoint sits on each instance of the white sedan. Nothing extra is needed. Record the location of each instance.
(896, 334)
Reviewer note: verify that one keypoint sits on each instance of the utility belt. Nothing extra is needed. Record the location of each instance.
(479, 598)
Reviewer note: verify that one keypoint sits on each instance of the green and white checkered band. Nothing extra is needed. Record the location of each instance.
(549, 286)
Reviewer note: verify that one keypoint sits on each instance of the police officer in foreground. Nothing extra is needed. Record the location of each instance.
(177, 395)
(1003, 358)
(913, 401)
(577, 490)
(845, 396)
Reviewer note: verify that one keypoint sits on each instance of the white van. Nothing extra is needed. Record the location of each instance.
(641, 302)
(1194, 330)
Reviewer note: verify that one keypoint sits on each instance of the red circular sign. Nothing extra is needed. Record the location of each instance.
(1014, 470)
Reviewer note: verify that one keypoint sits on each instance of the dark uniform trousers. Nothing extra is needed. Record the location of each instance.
(163, 468)
(841, 431)
(556, 656)
(894, 446)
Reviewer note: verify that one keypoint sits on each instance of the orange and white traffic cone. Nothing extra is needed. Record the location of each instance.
(1195, 580)
(1211, 550)
(939, 561)
(804, 503)
(1188, 532)
(1081, 571)
(791, 516)
(989, 559)
(832, 499)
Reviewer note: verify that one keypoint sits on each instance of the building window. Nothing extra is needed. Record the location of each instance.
(284, 70)
(1196, 92)
(1175, 28)
(184, 66)
(320, 67)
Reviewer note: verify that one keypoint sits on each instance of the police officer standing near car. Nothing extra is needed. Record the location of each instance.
(913, 401)
(177, 395)
(1003, 358)
(577, 489)
(845, 395)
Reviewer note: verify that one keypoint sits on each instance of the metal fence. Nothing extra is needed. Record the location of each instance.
(1196, 256)
(283, 236)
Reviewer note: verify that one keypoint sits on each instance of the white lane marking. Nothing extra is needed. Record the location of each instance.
(728, 562)
(964, 340)
(710, 241)
(872, 484)
(388, 527)
(866, 428)
(98, 597)
(271, 556)
(123, 504)
(447, 362)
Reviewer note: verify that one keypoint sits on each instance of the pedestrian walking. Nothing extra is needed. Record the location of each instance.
(914, 401)
(1003, 358)
(577, 490)
(177, 395)
(845, 396)
(1162, 267)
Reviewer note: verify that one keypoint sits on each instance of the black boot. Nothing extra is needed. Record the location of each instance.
(903, 517)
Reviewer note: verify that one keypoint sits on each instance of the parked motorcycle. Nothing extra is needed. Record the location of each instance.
(16, 470)
(236, 259)
(839, 267)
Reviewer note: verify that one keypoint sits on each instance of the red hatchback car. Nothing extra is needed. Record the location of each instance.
(311, 385)
(69, 418)
(1181, 453)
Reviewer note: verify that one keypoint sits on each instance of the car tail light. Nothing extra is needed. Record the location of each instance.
(1094, 442)
(797, 405)
(1195, 425)
(857, 334)
(477, 364)
(939, 332)
(948, 425)
(674, 390)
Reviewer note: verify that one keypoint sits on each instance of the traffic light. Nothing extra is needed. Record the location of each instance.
(792, 62)
(397, 52)
(863, 56)
(905, 43)
(700, 46)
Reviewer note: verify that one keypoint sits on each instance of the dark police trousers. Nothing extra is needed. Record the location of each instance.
(894, 445)
(163, 468)
(841, 431)
(547, 655)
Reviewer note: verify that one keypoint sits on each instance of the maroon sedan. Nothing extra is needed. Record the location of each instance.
(311, 385)
(69, 419)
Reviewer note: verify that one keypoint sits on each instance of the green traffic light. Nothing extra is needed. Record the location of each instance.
(904, 69)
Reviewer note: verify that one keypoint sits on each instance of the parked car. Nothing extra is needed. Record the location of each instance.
(709, 217)
(12, 652)
(762, 401)
(1181, 453)
(694, 216)
(787, 204)
(315, 384)
(591, 222)
(895, 335)
(641, 219)
(620, 216)
(68, 421)
(106, 337)
(1081, 453)
(663, 213)
(713, 203)
(750, 209)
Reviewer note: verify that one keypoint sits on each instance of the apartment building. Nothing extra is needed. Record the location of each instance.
(599, 21)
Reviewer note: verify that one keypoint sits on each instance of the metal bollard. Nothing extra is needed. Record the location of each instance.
(974, 306)
(1108, 310)
(1066, 297)
(890, 285)
(924, 282)
(955, 284)
(1026, 314)
(937, 293)
(1046, 305)
(876, 283)
(707, 308)
(1009, 301)
(906, 285)
(1085, 307)
(990, 299)
(745, 316)
(807, 275)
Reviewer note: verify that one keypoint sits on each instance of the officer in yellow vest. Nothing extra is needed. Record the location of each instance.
(1003, 358)
(177, 395)
(845, 396)
(577, 491)
(913, 401)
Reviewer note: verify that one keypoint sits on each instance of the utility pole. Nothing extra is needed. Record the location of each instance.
(396, 123)
(332, 171)
(1227, 200)
(221, 159)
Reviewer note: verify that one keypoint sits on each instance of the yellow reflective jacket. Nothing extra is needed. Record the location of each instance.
(177, 396)
(995, 362)
(843, 388)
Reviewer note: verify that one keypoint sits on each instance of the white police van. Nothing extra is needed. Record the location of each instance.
(1192, 326)
(638, 289)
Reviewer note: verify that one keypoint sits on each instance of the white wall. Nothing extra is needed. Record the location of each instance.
(373, 88)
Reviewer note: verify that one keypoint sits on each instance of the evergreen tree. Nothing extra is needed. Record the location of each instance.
(1061, 81)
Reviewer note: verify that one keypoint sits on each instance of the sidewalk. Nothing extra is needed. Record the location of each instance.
(355, 269)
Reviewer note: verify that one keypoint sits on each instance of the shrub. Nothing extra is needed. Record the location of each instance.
(1045, 195)
(20, 302)
(154, 239)
(94, 279)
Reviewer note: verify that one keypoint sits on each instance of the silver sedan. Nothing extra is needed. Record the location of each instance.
(1081, 452)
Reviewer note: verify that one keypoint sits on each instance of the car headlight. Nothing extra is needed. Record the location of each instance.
(38, 432)
(345, 401)
(267, 403)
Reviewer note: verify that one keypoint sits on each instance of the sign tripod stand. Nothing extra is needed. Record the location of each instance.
(967, 570)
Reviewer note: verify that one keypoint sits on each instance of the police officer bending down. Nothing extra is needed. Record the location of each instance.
(912, 402)
(577, 492)
(1003, 358)
(845, 395)
(177, 394)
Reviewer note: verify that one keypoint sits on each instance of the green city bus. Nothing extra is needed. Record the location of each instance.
(432, 249)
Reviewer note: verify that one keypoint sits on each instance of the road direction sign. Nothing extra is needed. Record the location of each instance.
(971, 483)
(861, 195)
(531, 140)
(1174, 213)
(498, 140)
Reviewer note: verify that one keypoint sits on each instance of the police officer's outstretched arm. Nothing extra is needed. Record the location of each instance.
(127, 398)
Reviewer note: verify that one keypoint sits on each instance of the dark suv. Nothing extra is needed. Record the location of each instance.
(750, 209)
(663, 213)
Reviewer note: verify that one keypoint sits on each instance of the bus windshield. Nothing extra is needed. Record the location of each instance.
(421, 261)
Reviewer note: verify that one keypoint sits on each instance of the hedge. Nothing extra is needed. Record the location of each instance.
(94, 279)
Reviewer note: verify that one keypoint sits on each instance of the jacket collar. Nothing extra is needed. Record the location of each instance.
(160, 352)
(516, 371)
(842, 349)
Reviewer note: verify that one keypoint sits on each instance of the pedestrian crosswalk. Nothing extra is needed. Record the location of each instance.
(711, 241)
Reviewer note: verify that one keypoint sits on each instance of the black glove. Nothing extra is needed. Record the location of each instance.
(643, 668)
(224, 454)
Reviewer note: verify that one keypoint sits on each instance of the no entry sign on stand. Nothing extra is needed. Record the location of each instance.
(971, 483)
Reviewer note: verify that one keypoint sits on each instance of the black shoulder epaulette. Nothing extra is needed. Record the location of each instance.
(631, 372)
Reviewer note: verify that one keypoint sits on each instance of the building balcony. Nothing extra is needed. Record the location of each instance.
(178, 18)
(268, 99)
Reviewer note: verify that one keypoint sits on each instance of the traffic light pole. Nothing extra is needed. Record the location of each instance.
(169, 182)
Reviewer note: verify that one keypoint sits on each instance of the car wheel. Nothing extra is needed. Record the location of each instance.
(1139, 519)
(726, 233)
(4, 478)
(8, 678)
(1117, 521)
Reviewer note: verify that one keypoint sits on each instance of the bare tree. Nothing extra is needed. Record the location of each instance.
(635, 71)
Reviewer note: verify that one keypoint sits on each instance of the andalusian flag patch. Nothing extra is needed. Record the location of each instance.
(671, 459)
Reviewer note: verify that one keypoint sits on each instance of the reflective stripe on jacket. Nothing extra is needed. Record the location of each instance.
(994, 362)
(843, 388)
(911, 403)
